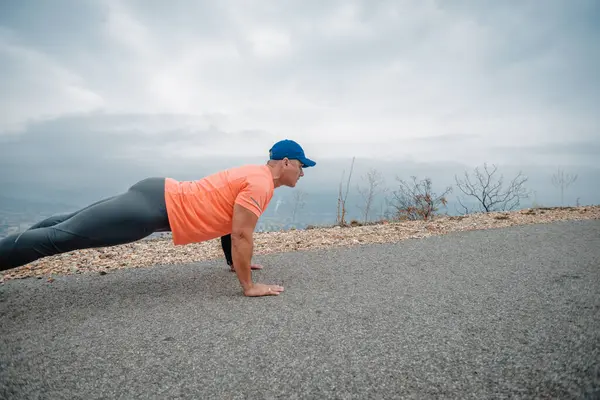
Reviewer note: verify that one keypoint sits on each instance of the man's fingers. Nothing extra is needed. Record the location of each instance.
(274, 290)
(264, 290)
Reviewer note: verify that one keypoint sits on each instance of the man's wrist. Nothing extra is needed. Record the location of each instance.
(247, 286)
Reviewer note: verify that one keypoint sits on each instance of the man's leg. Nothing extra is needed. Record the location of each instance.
(122, 219)
(58, 218)
(226, 246)
(52, 220)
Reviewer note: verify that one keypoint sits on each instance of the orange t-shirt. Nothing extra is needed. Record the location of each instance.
(202, 209)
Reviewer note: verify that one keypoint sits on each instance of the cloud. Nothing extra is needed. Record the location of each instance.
(98, 139)
(145, 82)
(36, 86)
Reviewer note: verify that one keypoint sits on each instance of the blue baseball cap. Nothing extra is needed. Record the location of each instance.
(292, 150)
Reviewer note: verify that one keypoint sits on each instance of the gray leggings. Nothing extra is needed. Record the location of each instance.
(125, 218)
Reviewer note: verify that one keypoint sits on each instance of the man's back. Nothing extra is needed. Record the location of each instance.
(202, 209)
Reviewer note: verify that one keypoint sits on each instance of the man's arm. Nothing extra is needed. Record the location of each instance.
(242, 246)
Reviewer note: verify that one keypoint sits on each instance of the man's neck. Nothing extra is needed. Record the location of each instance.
(275, 173)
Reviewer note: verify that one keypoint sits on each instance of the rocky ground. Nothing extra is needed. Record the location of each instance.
(162, 251)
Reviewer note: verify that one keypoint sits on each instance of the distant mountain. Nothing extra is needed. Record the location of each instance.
(18, 214)
(20, 205)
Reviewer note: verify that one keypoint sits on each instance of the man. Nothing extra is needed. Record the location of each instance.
(225, 203)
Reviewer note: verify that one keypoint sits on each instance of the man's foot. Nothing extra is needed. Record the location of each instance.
(252, 266)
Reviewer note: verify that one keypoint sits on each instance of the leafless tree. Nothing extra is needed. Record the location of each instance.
(297, 203)
(562, 181)
(341, 209)
(416, 200)
(489, 192)
(374, 181)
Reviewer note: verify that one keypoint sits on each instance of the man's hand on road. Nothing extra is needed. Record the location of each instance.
(258, 289)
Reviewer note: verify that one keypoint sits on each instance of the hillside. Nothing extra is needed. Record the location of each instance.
(17, 214)
(162, 251)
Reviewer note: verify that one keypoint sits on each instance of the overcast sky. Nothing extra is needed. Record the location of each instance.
(145, 82)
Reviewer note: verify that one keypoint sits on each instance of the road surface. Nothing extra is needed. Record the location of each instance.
(513, 312)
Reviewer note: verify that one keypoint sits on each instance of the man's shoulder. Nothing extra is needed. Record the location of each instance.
(254, 185)
(250, 173)
(250, 168)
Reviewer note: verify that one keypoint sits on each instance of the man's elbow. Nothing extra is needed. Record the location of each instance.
(241, 234)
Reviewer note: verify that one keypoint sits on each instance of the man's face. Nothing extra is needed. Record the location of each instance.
(292, 172)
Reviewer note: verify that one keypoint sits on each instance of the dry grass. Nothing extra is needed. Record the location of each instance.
(161, 251)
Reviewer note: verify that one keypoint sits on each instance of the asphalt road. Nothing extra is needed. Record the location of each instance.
(502, 313)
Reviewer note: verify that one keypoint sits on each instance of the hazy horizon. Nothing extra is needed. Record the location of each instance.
(98, 94)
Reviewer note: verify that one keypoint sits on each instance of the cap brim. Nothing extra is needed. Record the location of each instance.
(307, 163)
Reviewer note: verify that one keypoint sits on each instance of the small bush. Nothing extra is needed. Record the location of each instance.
(416, 200)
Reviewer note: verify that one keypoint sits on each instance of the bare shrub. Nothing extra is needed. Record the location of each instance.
(488, 191)
(562, 182)
(297, 203)
(341, 206)
(374, 181)
(415, 200)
